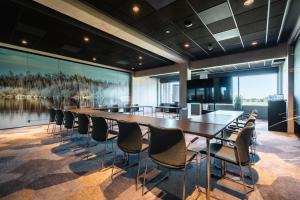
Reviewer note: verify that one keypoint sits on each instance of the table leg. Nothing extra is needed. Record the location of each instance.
(208, 169)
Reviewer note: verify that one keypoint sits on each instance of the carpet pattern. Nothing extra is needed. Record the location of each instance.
(36, 165)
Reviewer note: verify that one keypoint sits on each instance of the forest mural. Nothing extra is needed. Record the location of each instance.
(29, 84)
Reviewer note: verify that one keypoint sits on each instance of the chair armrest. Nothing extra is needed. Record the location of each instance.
(192, 141)
(224, 139)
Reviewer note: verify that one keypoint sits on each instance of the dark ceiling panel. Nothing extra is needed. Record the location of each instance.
(48, 31)
(163, 21)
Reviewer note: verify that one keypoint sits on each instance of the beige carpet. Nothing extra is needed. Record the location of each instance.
(34, 165)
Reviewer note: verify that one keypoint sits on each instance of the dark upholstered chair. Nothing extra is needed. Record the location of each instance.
(52, 114)
(59, 119)
(102, 134)
(84, 127)
(237, 154)
(127, 108)
(130, 141)
(115, 108)
(69, 121)
(83, 124)
(168, 149)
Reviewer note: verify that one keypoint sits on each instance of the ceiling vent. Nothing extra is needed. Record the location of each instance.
(158, 4)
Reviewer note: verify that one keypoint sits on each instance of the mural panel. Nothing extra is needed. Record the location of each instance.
(29, 84)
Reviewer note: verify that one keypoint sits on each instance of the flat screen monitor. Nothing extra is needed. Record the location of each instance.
(212, 90)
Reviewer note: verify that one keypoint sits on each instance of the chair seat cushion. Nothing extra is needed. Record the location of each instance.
(222, 152)
(111, 136)
(160, 159)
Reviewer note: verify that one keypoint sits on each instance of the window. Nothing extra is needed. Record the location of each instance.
(169, 92)
(255, 89)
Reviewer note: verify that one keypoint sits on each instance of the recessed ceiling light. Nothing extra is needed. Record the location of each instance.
(254, 43)
(188, 23)
(132, 68)
(86, 39)
(135, 9)
(24, 42)
(186, 45)
(210, 47)
(140, 64)
(94, 59)
(140, 57)
(167, 31)
(248, 2)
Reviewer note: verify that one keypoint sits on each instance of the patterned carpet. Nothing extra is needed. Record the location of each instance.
(36, 165)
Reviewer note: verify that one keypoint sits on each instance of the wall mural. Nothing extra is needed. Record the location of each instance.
(29, 84)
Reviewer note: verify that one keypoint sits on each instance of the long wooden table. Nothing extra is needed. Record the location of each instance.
(208, 126)
(125, 107)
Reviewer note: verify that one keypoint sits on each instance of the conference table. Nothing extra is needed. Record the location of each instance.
(131, 108)
(208, 126)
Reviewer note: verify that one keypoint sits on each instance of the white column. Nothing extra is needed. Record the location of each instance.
(184, 76)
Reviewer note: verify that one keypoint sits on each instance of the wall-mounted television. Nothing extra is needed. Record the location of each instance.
(212, 90)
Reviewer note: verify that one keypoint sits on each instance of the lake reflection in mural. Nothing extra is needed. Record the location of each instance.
(29, 84)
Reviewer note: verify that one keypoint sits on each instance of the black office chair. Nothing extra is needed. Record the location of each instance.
(237, 154)
(69, 122)
(168, 149)
(59, 119)
(84, 127)
(102, 134)
(115, 108)
(127, 108)
(130, 141)
(52, 114)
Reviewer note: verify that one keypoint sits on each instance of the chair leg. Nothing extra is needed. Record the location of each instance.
(138, 172)
(251, 176)
(113, 165)
(243, 179)
(102, 160)
(145, 172)
(198, 168)
(48, 127)
(183, 187)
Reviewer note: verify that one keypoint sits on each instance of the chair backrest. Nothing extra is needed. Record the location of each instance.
(69, 119)
(137, 108)
(251, 119)
(83, 123)
(100, 129)
(130, 137)
(115, 108)
(59, 117)
(52, 114)
(126, 108)
(243, 142)
(167, 146)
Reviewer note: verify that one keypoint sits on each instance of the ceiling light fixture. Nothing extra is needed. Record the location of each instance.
(186, 45)
(167, 31)
(94, 59)
(140, 64)
(86, 39)
(140, 57)
(135, 9)
(188, 23)
(210, 47)
(132, 68)
(24, 42)
(254, 43)
(248, 2)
